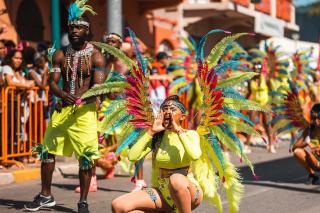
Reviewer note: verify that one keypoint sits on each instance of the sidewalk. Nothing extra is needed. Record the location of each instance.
(65, 167)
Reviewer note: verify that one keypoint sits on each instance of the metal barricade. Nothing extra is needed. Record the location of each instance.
(22, 120)
(2, 152)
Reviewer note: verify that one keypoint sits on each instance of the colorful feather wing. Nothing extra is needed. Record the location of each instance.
(289, 115)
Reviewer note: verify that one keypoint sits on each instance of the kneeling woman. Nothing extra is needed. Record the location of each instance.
(310, 160)
(174, 148)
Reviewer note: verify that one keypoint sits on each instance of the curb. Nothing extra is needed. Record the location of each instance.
(19, 176)
(23, 175)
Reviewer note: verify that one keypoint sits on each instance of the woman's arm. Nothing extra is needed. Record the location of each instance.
(38, 82)
(144, 144)
(191, 143)
(26, 84)
(301, 140)
(141, 148)
(45, 76)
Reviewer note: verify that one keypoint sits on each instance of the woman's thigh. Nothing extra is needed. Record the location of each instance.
(196, 195)
(183, 181)
(141, 200)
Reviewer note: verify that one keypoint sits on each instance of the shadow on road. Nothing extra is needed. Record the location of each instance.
(19, 205)
(71, 187)
(290, 188)
(285, 170)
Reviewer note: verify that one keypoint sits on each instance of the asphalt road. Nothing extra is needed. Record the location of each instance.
(280, 189)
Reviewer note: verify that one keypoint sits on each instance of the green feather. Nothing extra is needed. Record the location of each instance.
(233, 187)
(280, 124)
(115, 52)
(110, 119)
(225, 139)
(239, 126)
(105, 88)
(41, 151)
(86, 161)
(113, 112)
(236, 78)
(219, 48)
(188, 43)
(244, 105)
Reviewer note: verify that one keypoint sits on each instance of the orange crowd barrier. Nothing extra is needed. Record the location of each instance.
(22, 121)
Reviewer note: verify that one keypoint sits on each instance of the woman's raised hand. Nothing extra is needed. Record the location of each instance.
(175, 126)
(157, 124)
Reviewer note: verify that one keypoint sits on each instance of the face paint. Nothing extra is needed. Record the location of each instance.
(173, 112)
(175, 103)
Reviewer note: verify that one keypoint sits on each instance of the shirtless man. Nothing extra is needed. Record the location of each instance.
(73, 127)
(112, 62)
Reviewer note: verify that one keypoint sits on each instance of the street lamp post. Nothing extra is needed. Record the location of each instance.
(114, 16)
(55, 23)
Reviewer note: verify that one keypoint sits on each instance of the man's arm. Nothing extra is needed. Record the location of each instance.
(98, 67)
(55, 74)
(99, 72)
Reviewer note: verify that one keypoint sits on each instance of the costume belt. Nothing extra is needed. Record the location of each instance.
(166, 173)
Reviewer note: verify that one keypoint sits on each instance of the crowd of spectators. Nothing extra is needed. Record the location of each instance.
(23, 67)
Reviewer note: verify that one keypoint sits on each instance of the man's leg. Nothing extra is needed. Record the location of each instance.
(44, 198)
(47, 169)
(85, 179)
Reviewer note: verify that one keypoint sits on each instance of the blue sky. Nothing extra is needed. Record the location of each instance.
(304, 2)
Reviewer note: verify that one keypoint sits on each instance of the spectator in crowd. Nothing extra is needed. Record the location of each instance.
(113, 63)
(28, 54)
(14, 75)
(13, 70)
(40, 74)
(159, 80)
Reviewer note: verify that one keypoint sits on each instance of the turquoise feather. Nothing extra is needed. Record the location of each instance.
(115, 104)
(200, 53)
(51, 52)
(279, 117)
(185, 88)
(286, 128)
(224, 66)
(137, 52)
(129, 140)
(216, 147)
(122, 120)
(237, 114)
(232, 93)
(74, 12)
(138, 165)
(226, 129)
(41, 151)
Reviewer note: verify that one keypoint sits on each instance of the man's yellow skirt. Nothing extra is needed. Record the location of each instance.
(74, 130)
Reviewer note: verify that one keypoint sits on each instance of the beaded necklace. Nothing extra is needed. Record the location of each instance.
(74, 56)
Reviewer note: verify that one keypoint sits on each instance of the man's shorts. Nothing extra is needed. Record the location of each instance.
(74, 129)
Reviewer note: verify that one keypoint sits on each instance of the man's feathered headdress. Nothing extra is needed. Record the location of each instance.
(76, 10)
